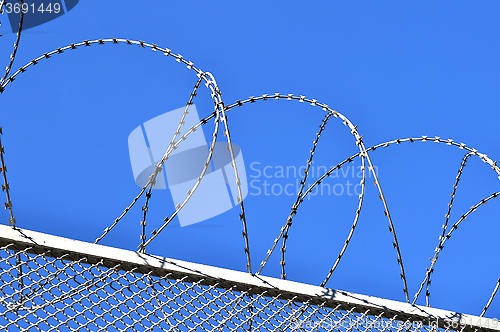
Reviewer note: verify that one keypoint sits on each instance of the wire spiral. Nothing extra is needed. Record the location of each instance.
(220, 121)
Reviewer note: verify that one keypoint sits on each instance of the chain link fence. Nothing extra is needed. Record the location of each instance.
(48, 283)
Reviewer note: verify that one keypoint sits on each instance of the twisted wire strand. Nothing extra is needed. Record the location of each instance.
(445, 225)
(3, 168)
(491, 298)
(6, 186)
(190, 192)
(238, 182)
(454, 227)
(453, 193)
(171, 145)
(143, 221)
(351, 232)
(288, 223)
(108, 229)
(16, 44)
(392, 230)
(86, 43)
(159, 166)
(299, 194)
(2, 2)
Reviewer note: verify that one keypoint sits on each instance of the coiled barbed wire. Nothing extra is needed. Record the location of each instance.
(363, 154)
(398, 141)
(220, 115)
(219, 110)
(445, 225)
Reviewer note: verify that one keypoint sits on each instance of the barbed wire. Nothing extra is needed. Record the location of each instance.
(483, 157)
(86, 43)
(363, 154)
(445, 225)
(351, 232)
(284, 229)
(12, 220)
(416, 139)
(205, 167)
(491, 298)
(142, 247)
(392, 230)
(399, 141)
(239, 198)
(158, 167)
(145, 208)
(16, 45)
(385, 144)
(288, 223)
(219, 116)
(6, 186)
(219, 110)
(2, 2)
(3, 168)
(454, 227)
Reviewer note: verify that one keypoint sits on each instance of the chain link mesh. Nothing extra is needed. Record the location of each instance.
(44, 288)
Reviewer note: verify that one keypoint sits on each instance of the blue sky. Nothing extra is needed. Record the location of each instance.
(395, 69)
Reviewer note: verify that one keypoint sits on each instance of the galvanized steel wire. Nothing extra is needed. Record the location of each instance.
(219, 116)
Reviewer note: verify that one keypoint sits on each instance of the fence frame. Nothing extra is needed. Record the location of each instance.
(36, 242)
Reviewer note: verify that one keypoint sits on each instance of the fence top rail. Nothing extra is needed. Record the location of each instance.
(22, 239)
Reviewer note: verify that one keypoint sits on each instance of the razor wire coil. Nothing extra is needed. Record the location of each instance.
(219, 117)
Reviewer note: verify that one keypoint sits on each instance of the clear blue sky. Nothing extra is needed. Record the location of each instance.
(396, 69)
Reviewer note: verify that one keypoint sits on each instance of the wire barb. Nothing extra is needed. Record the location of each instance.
(445, 226)
(284, 230)
(5, 186)
(142, 247)
(16, 44)
(447, 237)
(158, 167)
(491, 298)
